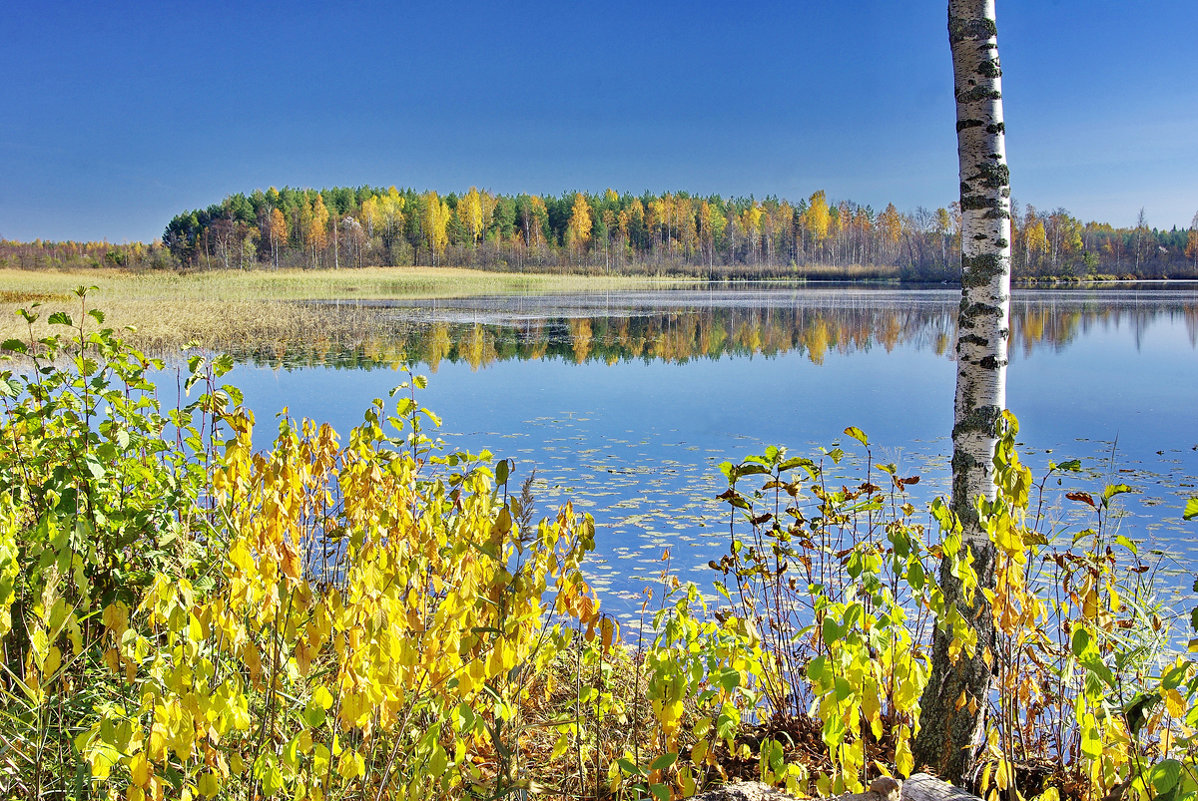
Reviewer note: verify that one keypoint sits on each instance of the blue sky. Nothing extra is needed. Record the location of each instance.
(116, 116)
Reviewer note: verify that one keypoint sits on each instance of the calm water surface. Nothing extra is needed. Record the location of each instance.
(626, 402)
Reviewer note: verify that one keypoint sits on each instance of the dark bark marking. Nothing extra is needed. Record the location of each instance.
(980, 270)
(992, 363)
(977, 202)
(989, 69)
(995, 175)
(979, 93)
(962, 28)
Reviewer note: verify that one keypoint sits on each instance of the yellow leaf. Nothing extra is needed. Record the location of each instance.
(208, 784)
(139, 770)
(1002, 776)
(240, 557)
(1090, 600)
(52, 663)
(1175, 703)
(904, 761)
(102, 757)
(116, 617)
(350, 765)
(157, 747)
(609, 631)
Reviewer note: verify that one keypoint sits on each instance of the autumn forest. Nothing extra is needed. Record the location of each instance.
(672, 233)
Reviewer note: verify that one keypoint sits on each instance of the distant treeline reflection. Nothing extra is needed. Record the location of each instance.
(679, 336)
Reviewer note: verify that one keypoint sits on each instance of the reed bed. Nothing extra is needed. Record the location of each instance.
(256, 310)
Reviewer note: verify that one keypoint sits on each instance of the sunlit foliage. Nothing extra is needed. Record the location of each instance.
(184, 614)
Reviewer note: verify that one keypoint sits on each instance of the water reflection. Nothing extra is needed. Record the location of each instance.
(680, 326)
(698, 377)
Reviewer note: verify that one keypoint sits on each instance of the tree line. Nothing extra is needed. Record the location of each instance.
(673, 233)
(668, 232)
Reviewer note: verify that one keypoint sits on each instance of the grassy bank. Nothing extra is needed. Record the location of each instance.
(259, 308)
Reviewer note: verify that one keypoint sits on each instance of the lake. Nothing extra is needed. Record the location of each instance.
(626, 402)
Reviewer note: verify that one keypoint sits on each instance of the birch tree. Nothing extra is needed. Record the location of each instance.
(955, 700)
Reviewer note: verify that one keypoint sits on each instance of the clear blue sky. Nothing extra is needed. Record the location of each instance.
(116, 116)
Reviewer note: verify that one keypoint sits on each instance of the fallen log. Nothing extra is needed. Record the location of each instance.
(920, 787)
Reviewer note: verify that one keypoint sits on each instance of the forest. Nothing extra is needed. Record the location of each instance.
(611, 233)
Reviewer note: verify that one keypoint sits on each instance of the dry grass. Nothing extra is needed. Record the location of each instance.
(259, 309)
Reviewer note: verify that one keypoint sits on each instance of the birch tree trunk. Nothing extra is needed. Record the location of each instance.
(954, 703)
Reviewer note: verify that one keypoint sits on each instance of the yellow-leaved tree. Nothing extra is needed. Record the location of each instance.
(317, 232)
(474, 213)
(435, 223)
(817, 218)
(578, 234)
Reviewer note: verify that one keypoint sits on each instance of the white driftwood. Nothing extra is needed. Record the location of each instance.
(920, 787)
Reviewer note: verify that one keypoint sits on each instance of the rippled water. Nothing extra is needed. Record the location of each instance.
(626, 402)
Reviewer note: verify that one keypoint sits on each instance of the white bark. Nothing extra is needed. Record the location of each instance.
(984, 320)
(949, 730)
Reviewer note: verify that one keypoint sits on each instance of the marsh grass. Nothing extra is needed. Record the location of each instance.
(263, 310)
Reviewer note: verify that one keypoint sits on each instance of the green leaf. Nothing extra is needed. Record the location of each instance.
(629, 767)
(798, 461)
(1112, 490)
(1072, 466)
(15, 345)
(93, 466)
(314, 715)
(1128, 544)
(915, 575)
(222, 364)
(830, 631)
(1099, 669)
(1080, 642)
(664, 761)
(502, 469)
(1165, 775)
(857, 434)
(60, 318)
(1138, 710)
(1191, 510)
